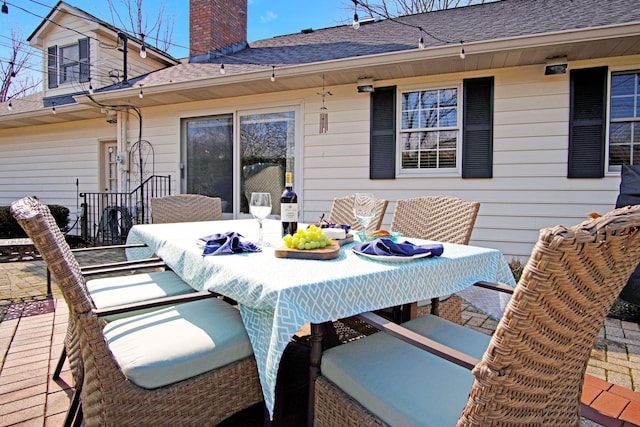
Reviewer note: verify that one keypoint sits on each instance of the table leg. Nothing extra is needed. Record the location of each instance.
(409, 312)
(317, 330)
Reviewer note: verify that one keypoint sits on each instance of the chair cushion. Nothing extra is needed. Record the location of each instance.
(178, 342)
(401, 384)
(112, 291)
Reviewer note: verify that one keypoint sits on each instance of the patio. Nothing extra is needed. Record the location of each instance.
(33, 328)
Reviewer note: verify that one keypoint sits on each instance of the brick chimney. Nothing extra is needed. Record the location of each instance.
(215, 27)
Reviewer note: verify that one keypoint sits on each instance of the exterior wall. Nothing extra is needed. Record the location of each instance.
(103, 59)
(107, 60)
(529, 189)
(75, 28)
(45, 161)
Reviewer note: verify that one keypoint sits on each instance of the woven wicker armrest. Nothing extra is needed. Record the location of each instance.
(420, 341)
(498, 287)
(158, 302)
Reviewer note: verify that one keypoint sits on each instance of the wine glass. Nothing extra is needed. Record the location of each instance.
(260, 208)
(364, 209)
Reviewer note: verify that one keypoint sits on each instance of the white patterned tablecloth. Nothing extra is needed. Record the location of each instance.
(277, 296)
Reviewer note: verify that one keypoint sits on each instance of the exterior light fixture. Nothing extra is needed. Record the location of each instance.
(365, 85)
(555, 66)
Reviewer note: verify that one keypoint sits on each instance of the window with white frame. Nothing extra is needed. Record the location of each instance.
(624, 120)
(430, 130)
(68, 64)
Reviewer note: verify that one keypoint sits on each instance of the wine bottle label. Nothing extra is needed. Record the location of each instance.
(289, 212)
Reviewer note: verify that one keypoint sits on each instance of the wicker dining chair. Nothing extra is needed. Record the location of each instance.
(342, 213)
(530, 372)
(110, 397)
(185, 208)
(443, 219)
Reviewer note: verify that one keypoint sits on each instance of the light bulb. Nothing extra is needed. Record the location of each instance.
(222, 71)
(10, 106)
(90, 89)
(53, 110)
(143, 52)
(140, 95)
(356, 22)
(421, 43)
(273, 74)
(462, 54)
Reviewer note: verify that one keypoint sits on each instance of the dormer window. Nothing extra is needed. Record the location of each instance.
(68, 64)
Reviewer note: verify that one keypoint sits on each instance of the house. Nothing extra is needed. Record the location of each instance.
(534, 120)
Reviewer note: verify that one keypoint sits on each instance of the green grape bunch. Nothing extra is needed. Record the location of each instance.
(311, 238)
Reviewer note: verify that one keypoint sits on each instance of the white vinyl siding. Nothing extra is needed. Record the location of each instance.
(529, 189)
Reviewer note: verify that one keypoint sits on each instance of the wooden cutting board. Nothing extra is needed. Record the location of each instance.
(329, 252)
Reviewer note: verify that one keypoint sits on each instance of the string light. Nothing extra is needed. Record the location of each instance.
(462, 54)
(140, 95)
(5, 8)
(143, 52)
(356, 21)
(10, 106)
(90, 88)
(421, 42)
(222, 71)
(273, 73)
(53, 109)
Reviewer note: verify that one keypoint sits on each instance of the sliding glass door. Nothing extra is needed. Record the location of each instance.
(232, 155)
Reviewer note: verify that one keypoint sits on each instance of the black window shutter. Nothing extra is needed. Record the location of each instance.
(477, 128)
(83, 48)
(382, 154)
(587, 122)
(52, 67)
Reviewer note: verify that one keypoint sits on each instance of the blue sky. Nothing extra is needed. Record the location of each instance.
(266, 18)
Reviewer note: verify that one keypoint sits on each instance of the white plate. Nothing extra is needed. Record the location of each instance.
(390, 258)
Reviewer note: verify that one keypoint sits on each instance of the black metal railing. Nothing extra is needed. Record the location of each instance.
(107, 217)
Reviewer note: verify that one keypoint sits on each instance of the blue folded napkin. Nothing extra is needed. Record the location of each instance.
(227, 243)
(387, 247)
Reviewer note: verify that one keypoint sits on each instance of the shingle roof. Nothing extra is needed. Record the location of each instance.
(482, 22)
(489, 21)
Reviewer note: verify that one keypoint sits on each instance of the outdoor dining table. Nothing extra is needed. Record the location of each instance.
(277, 296)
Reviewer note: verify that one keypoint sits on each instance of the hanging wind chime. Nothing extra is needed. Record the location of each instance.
(324, 115)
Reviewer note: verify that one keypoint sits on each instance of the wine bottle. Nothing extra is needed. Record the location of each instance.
(289, 207)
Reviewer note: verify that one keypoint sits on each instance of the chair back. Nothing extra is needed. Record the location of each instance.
(342, 213)
(264, 178)
(533, 370)
(185, 208)
(441, 218)
(36, 220)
